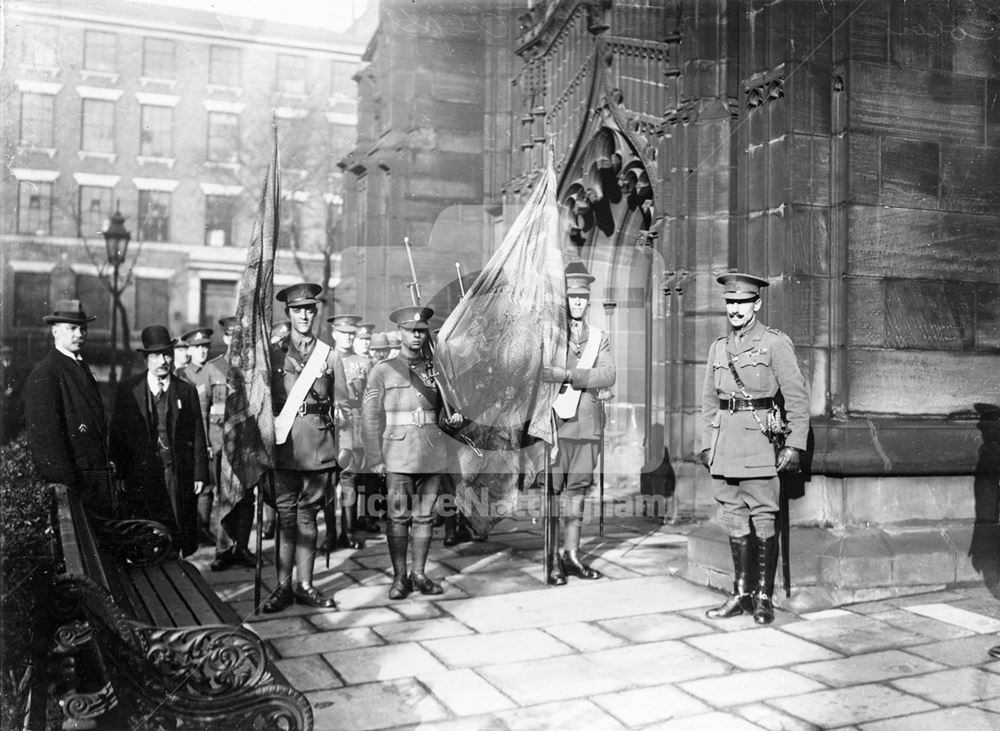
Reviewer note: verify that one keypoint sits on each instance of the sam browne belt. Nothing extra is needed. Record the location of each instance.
(745, 404)
(417, 417)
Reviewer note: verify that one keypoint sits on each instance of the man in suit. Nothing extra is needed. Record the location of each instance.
(746, 369)
(579, 418)
(158, 439)
(66, 418)
(195, 344)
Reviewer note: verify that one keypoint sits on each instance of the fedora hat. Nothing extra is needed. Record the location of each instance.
(69, 311)
(156, 339)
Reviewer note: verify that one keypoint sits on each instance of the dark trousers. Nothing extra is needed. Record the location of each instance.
(411, 497)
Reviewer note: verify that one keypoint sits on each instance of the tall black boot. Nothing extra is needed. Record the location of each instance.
(330, 520)
(767, 563)
(397, 536)
(557, 576)
(421, 534)
(741, 602)
(348, 522)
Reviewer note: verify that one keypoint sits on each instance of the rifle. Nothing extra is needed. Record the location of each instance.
(600, 471)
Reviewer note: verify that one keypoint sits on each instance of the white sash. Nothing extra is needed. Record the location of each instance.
(314, 367)
(568, 399)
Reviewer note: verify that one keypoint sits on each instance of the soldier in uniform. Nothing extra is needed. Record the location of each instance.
(401, 412)
(380, 347)
(235, 511)
(343, 329)
(579, 420)
(741, 458)
(195, 345)
(181, 355)
(363, 340)
(313, 435)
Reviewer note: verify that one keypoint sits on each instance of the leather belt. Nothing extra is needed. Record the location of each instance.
(417, 417)
(745, 404)
(314, 408)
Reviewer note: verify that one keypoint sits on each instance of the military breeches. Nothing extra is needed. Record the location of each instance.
(574, 468)
(411, 497)
(298, 496)
(748, 500)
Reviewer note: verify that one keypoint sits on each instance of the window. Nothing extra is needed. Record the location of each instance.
(100, 51)
(342, 84)
(34, 208)
(94, 298)
(291, 74)
(224, 66)
(31, 298)
(223, 137)
(157, 135)
(218, 300)
(154, 215)
(37, 119)
(220, 211)
(158, 58)
(98, 129)
(298, 151)
(39, 44)
(152, 302)
(95, 209)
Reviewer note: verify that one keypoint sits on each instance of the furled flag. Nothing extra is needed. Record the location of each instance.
(491, 350)
(248, 433)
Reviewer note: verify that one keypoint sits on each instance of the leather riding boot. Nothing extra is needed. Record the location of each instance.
(556, 577)
(421, 534)
(570, 559)
(348, 521)
(398, 537)
(767, 563)
(741, 602)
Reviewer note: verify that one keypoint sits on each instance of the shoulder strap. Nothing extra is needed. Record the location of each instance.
(746, 394)
(567, 400)
(308, 375)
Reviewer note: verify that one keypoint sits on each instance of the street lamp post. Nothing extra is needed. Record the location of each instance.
(116, 238)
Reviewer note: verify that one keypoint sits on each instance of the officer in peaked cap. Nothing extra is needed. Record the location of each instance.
(579, 416)
(401, 412)
(363, 339)
(741, 431)
(197, 373)
(314, 440)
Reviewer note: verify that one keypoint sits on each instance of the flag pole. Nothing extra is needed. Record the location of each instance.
(259, 568)
(546, 515)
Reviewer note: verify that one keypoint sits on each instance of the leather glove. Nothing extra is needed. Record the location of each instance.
(703, 457)
(454, 420)
(789, 461)
(554, 374)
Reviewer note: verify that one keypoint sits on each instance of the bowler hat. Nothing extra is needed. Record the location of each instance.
(380, 341)
(578, 279)
(199, 336)
(740, 287)
(69, 311)
(299, 295)
(344, 323)
(412, 318)
(156, 339)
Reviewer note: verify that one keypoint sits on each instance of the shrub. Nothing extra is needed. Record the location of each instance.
(26, 571)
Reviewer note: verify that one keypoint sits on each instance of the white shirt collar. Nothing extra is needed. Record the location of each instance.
(154, 383)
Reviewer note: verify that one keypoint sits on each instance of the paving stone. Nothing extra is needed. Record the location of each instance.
(577, 714)
(654, 627)
(311, 672)
(872, 668)
(354, 618)
(853, 634)
(330, 641)
(558, 678)
(402, 660)
(930, 628)
(953, 687)
(858, 704)
(872, 607)
(992, 706)
(375, 706)
(733, 624)
(655, 663)
(282, 627)
(371, 577)
(647, 705)
(496, 647)
(578, 602)
(585, 637)
(760, 648)
(495, 582)
(465, 692)
(421, 629)
(959, 617)
(416, 610)
(825, 614)
(987, 606)
(469, 564)
(705, 722)
(748, 687)
(966, 719)
(771, 719)
(957, 653)
(466, 723)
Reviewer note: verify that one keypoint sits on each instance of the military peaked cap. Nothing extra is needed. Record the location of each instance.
(300, 295)
(412, 318)
(578, 279)
(201, 336)
(365, 330)
(229, 323)
(741, 287)
(344, 323)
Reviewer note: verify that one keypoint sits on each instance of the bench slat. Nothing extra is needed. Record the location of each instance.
(150, 598)
(202, 598)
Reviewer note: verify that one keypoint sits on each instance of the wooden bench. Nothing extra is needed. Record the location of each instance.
(144, 641)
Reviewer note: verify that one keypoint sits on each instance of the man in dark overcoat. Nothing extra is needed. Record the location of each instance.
(66, 417)
(158, 442)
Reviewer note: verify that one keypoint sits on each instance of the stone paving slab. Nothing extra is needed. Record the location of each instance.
(958, 653)
(654, 627)
(853, 634)
(957, 687)
(466, 723)
(870, 668)
(930, 628)
(553, 679)
(465, 693)
(388, 662)
(496, 647)
(329, 641)
(580, 714)
(282, 627)
(858, 704)
(495, 582)
(354, 618)
(642, 706)
(578, 602)
(375, 706)
(585, 637)
(959, 617)
(770, 718)
(761, 648)
(311, 672)
(421, 629)
(706, 722)
(748, 687)
(655, 663)
(963, 719)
